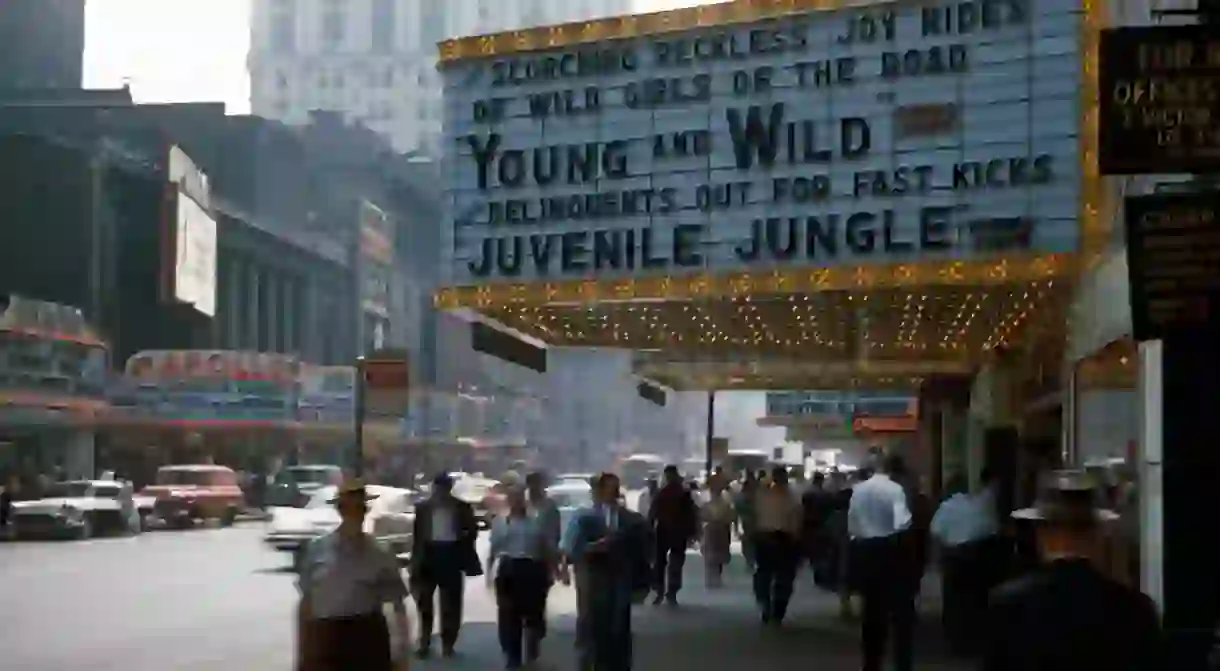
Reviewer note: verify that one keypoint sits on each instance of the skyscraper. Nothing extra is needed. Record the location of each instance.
(42, 44)
(375, 60)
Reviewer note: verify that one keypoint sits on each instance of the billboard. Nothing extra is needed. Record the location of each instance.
(1160, 87)
(1173, 262)
(53, 367)
(194, 234)
(207, 386)
(874, 135)
(831, 407)
(327, 394)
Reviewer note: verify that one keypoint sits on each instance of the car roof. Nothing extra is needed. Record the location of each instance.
(571, 485)
(195, 467)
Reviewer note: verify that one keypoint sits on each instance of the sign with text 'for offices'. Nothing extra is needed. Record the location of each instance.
(1160, 100)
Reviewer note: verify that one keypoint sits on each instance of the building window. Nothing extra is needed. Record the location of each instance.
(383, 25)
(334, 24)
(283, 30)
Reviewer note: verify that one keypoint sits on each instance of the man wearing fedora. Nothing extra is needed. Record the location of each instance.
(346, 578)
(1067, 614)
(443, 556)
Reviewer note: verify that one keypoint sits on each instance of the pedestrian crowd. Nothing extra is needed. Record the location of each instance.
(866, 538)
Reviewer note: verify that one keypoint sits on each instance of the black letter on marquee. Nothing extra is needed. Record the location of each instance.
(753, 136)
(855, 137)
(934, 227)
(483, 155)
(687, 238)
(512, 168)
(482, 267)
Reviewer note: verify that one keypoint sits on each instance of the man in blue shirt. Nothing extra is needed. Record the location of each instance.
(607, 545)
(523, 547)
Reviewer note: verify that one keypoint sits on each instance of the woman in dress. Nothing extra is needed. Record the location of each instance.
(718, 518)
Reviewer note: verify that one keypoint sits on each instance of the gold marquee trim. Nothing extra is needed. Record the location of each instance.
(638, 25)
(712, 286)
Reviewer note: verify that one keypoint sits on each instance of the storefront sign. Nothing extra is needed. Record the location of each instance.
(53, 368)
(1173, 257)
(1160, 92)
(875, 135)
(207, 386)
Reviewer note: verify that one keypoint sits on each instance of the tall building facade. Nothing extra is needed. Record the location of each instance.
(375, 60)
(42, 44)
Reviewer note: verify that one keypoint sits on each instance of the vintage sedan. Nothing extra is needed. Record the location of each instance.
(78, 509)
(188, 494)
(570, 496)
(390, 520)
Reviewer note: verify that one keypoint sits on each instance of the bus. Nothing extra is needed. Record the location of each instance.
(637, 468)
(737, 462)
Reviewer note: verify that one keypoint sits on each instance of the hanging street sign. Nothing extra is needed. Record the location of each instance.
(1173, 260)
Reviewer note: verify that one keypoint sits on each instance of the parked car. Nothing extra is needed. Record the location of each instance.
(486, 496)
(78, 509)
(390, 520)
(294, 486)
(570, 496)
(189, 494)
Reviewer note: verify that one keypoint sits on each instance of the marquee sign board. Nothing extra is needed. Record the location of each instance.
(787, 142)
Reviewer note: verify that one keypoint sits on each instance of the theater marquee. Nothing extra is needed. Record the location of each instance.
(787, 142)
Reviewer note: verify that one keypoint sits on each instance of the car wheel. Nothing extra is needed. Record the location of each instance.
(229, 517)
(85, 531)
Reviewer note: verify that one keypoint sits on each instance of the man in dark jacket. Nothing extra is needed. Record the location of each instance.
(673, 517)
(442, 557)
(1066, 614)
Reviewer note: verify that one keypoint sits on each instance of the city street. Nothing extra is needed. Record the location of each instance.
(216, 599)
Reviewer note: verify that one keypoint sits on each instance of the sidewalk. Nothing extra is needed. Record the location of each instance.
(720, 629)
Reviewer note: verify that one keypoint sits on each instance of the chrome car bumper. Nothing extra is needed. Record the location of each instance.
(288, 541)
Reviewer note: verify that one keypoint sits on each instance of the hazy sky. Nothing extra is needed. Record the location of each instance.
(195, 51)
(170, 50)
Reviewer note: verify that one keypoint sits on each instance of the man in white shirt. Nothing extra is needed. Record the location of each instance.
(883, 565)
(967, 531)
(778, 517)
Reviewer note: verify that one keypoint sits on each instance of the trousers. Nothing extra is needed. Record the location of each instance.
(777, 556)
(440, 580)
(521, 588)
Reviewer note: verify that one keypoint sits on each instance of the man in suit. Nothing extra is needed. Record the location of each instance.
(1067, 614)
(443, 556)
(608, 546)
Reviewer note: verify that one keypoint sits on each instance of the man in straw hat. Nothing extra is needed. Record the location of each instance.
(345, 580)
(1067, 614)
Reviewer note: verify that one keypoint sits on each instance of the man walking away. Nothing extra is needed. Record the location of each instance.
(544, 510)
(607, 546)
(882, 566)
(963, 528)
(674, 519)
(444, 555)
(345, 581)
(777, 544)
(1067, 614)
(817, 504)
(644, 502)
(523, 547)
(746, 502)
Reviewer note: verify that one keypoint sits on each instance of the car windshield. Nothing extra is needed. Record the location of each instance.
(322, 497)
(182, 476)
(572, 498)
(107, 491)
(66, 490)
(307, 475)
